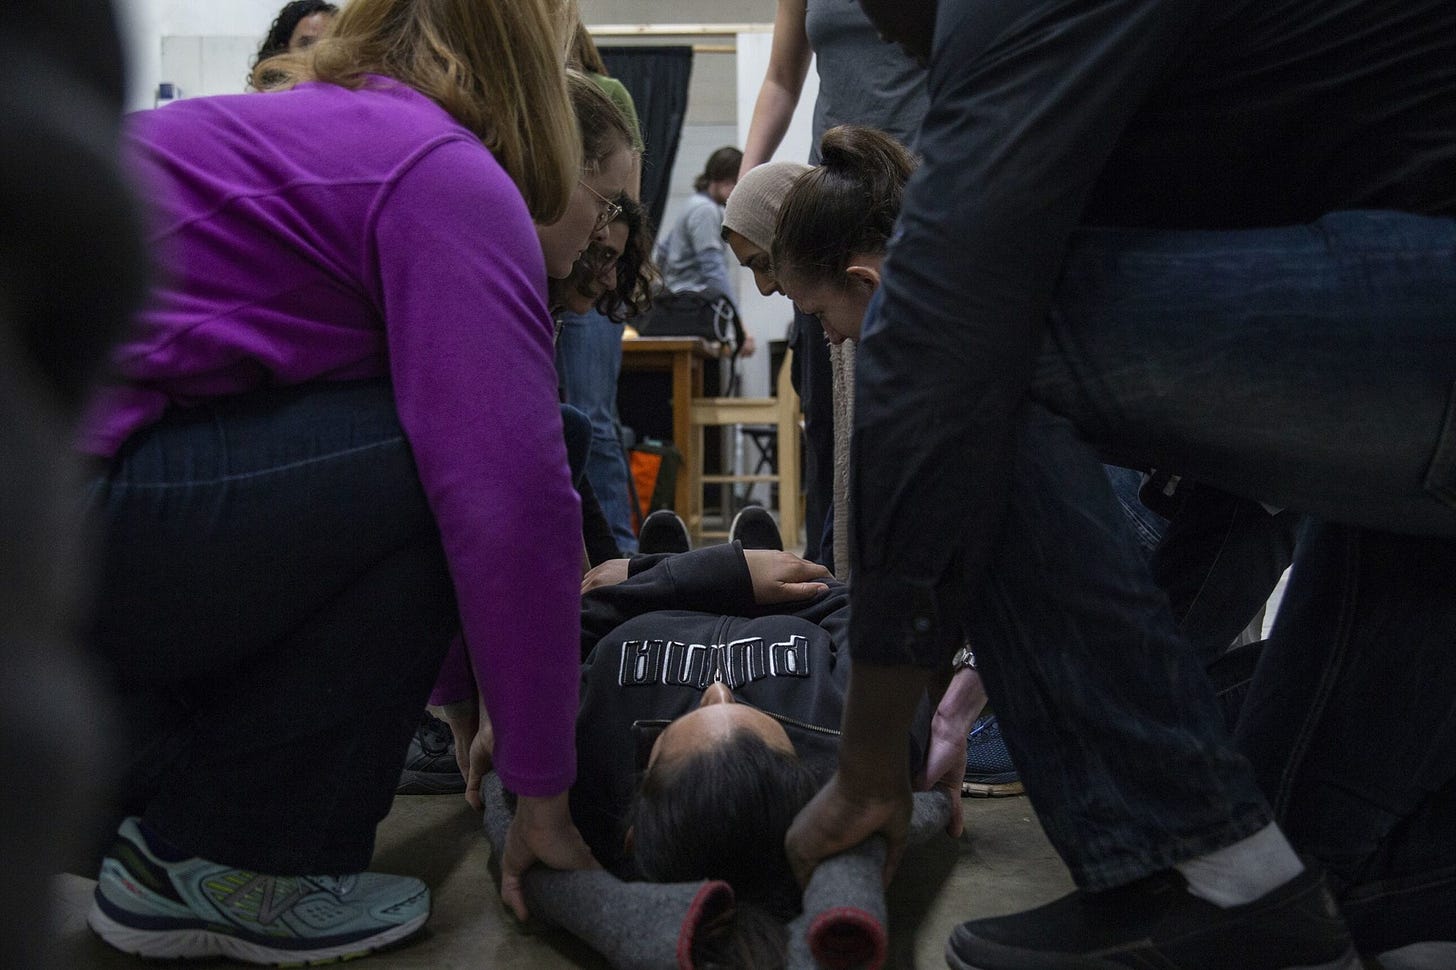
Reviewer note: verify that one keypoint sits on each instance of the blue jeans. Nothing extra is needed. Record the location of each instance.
(272, 610)
(1308, 367)
(588, 363)
(1146, 524)
(1109, 716)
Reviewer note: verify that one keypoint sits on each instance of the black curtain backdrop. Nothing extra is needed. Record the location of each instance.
(657, 78)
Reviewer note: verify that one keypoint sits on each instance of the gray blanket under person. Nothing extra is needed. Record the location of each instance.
(651, 926)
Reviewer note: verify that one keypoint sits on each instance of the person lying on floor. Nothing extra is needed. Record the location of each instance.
(713, 682)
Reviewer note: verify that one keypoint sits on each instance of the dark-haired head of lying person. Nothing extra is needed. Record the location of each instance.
(712, 687)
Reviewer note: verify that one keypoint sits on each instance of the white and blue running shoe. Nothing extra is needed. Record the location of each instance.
(189, 908)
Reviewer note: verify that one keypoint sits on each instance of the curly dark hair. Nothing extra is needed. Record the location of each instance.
(282, 30)
(636, 273)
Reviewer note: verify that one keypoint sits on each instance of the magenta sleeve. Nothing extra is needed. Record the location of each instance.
(456, 681)
(462, 288)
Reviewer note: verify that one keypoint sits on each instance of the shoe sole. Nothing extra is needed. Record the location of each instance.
(194, 944)
(992, 789)
(997, 957)
(430, 783)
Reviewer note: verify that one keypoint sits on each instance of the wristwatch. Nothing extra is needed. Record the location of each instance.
(964, 658)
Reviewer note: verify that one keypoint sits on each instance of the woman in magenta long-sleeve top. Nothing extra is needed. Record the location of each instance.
(332, 442)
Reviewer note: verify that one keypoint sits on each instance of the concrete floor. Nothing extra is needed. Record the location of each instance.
(1002, 864)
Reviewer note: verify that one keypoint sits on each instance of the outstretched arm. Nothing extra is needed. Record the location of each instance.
(945, 759)
(788, 65)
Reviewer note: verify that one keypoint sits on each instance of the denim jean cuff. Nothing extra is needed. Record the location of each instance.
(1137, 862)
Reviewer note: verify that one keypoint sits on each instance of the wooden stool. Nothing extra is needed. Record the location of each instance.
(782, 412)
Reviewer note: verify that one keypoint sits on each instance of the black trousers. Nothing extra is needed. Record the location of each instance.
(814, 382)
(273, 607)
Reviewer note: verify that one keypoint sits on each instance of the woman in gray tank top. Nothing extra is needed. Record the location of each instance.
(862, 80)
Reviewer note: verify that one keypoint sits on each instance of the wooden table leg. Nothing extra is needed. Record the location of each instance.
(683, 388)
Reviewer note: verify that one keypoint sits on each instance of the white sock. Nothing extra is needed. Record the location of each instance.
(1242, 872)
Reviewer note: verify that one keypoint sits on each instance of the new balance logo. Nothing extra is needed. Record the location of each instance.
(258, 899)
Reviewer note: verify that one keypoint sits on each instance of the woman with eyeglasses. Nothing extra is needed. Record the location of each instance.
(333, 422)
(609, 285)
(607, 160)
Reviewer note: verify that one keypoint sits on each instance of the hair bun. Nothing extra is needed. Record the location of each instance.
(866, 155)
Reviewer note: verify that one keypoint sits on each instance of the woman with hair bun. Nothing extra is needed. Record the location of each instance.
(830, 227)
(829, 243)
(835, 224)
(862, 80)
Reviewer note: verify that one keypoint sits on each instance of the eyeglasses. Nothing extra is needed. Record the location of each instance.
(610, 209)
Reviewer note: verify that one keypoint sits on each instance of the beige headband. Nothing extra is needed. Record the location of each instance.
(753, 206)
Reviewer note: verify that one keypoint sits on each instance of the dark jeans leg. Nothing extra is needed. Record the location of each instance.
(1351, 725)
(576, 428)
(815, 384)
(1218, 557)
(1219, 560)
(1307, 367)
(1109, 716)
(273, 609)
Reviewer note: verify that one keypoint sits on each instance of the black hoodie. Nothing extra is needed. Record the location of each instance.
(653, 643)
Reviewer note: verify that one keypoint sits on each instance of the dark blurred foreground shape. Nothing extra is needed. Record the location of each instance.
(71, 269)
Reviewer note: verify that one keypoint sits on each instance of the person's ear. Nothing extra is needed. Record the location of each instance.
(629, 840)
(866, 277)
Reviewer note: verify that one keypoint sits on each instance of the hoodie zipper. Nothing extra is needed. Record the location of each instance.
(785, 719)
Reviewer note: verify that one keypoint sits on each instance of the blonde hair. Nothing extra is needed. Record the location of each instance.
(584, 55)
(494, 65)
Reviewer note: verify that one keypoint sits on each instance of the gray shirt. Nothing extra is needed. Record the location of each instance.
(692, 255)
(862, 79)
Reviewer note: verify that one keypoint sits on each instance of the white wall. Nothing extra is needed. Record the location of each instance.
(233, 29)
(145, 23)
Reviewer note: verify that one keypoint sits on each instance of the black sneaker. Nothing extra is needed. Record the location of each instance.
(1156, 922)
(663, 531)
(756, 529)
(429, 765)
